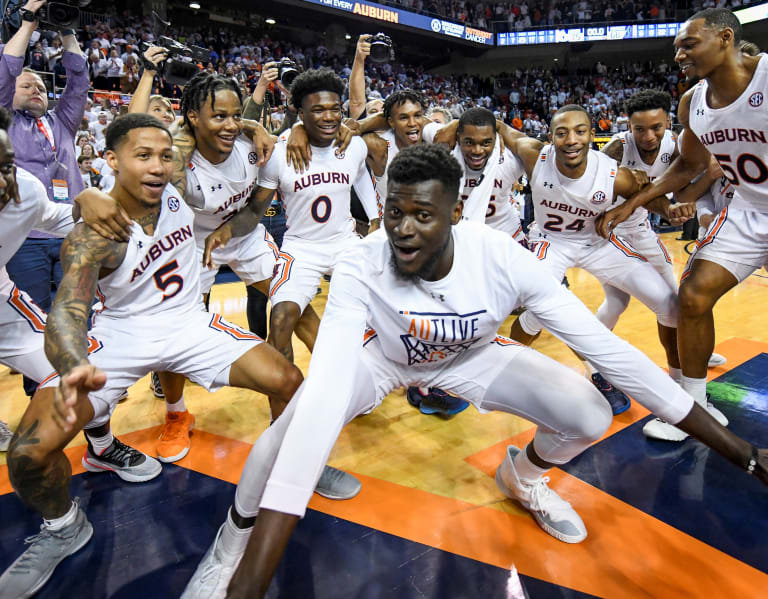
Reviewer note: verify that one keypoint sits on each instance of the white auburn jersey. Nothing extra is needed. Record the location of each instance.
(737, 136)
(566, 208)
(224, 196)
(632, 159)
(317, 201)
(160, 272)
(500, 209)
(433, 322)
(34, 212)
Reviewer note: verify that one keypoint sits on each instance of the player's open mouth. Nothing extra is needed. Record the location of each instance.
(406, 253)
(227, 139)
(686, 67)
(477, 161)
(413, 136)
(153, 187)
(572, 153)
(328, 129)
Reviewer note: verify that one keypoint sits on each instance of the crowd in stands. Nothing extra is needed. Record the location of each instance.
(522, 14)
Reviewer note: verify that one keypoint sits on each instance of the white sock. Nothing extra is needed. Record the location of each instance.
(676, 375)
(99, 444)
(589, 370)
(65, 520)
(233, 540)
(528, 472)
(424, 390)
(697, 388)
(176, 407)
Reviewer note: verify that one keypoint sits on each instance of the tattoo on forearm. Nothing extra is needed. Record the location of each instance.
(249, 217)
(183, 146)
(43, 486)
(83, 254)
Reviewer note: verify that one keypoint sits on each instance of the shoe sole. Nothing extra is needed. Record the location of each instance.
(502, 486)
(444, 413)
(41, 583)
(657, 438)
(126, 476)
(622, 409)
(178, 456)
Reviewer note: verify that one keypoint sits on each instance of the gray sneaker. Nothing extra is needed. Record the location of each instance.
(551, 512)
(128, 463)
(6, 435)
(213, 573)
(47, 549)
(337, 484)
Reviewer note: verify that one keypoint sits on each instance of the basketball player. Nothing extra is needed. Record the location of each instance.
(152, 318)
(649, 145)
(724, 114)
(571, 186)
(411, 306)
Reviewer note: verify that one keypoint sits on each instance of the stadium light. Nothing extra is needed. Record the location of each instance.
(194, 5)
(270, 21)
(347, 36)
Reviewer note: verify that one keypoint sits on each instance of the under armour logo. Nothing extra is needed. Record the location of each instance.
(139, 244)
(631, 163)
(199, 188)
(439, 296)
(700, 111)
(550, 185)
(215, 187)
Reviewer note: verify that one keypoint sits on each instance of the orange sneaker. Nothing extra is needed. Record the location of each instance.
(173, 443)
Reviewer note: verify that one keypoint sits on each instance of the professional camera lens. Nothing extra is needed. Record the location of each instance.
(381, 48)
(287, 71)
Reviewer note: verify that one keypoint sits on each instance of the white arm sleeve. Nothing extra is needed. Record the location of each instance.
(325, 398)
(568, 319)
(366, 193)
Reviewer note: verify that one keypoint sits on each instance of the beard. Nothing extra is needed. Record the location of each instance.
(427, 269)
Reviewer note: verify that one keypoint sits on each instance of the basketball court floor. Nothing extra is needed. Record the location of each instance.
(665, 520)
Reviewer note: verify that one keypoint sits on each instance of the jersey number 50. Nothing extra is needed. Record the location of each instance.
(759, 177)
(164, 279)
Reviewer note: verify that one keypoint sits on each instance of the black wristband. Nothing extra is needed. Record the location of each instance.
(64, 32)
(147, 64)
(752, 464)
(27, 15)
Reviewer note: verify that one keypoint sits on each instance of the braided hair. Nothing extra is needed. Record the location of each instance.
(202, 85)
(399, 98)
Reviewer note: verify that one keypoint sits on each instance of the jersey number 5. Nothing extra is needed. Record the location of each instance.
(164, 279)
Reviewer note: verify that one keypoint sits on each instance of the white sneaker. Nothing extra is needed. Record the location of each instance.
(555, 515)
(664, 431)
(717, 414)
(716, 360)
(213, 574)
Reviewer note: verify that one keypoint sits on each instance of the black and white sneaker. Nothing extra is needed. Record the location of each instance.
(155, 386)
(128, 463)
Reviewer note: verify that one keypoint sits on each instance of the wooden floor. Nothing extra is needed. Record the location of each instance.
(429, 480)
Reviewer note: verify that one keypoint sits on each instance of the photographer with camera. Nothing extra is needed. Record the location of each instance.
(44, 143)
(278, 76)
(143, 100)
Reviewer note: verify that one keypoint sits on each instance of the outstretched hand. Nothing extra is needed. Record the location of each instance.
(73, 389)
(218, 239)
(610, 219)
(102, 213)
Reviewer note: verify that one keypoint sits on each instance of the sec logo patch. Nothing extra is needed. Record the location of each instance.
(598, 197)
(173, 203)
(252, 157)
(666, 157)
(756, 99)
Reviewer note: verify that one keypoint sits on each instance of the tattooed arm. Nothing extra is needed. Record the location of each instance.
(84, 254)
(614, 149)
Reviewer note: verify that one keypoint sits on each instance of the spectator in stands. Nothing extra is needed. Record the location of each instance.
(37, 59)
(53, 53)
(44, 144)
(114, 70)
(97, 128)
(89, 176)
(129, 77)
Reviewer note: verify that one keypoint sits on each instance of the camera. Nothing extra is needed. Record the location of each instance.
(59, 14)
(287, 71)
(182, 61)
(381, 48)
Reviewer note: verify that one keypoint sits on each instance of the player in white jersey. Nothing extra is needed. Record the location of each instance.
(320, 227)
(725, 115)
(411, 306)
(489, 174)
(571, 185)
(152, 318)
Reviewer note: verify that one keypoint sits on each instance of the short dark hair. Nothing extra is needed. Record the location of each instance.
(477, 117)
(313, 81)
(200, 87)
(117, 130)
(648, 99)
(426, 162)
(401, 97)
(572, 108)
(82, 158)
(719, 19)
(5, 118)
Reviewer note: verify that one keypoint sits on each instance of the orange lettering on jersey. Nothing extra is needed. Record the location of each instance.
(412, 328)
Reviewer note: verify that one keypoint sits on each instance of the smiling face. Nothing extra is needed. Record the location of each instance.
(405, 122)
(31, 94)
(143, 165)
(321, 113)
(648, 128)
(699, 49)
(161, 110)
(418, 219)
(572, 136)
(476, 145)
(217, 127)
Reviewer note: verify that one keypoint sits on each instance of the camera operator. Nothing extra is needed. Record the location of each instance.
(143, 100)
(257, 106)
(44, 143)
